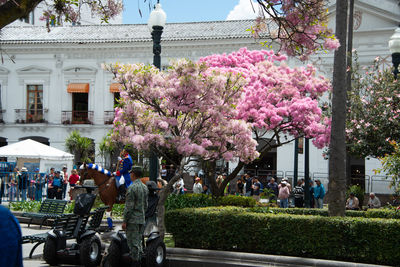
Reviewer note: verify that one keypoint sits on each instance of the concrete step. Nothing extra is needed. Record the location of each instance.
(180, 257)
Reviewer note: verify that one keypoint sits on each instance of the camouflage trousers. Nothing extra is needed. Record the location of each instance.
(134, 233)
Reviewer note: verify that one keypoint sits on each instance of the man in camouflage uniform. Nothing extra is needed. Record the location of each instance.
(134, 214)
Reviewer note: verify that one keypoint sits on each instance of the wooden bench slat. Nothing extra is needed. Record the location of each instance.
(49, 208)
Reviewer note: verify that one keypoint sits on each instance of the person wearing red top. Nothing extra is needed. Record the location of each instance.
(73, 178)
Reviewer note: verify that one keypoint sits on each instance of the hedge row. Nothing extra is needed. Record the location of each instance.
(235, 229)
(201, 200)
(371, 213)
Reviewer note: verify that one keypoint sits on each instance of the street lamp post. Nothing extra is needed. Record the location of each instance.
(296, 162)
(156, 25)
(394, 47)
(306, 172)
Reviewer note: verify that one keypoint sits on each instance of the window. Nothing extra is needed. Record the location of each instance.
(34, 109)
(116, 99)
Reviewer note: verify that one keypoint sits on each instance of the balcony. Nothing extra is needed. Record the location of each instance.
(109, 117)
(77, 117)
(30, 116)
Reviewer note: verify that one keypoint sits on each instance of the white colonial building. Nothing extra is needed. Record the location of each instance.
(52, 83)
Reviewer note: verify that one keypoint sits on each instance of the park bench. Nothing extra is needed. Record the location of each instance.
(96, 218)
(49, 209)
(68, 223)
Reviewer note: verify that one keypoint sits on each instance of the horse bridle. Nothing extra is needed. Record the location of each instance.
(86, 173)
(104, 182)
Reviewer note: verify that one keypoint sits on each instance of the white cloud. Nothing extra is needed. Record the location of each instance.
(243, 10)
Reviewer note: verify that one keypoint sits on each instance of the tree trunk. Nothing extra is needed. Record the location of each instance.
(348, 77)
(164, 193)
(337, 158)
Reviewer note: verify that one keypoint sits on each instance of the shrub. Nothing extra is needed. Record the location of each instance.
(69, 208)
(25, 206)
(188, 201)
(118, 210)
(334, 238)
(371, 213)
(201, 200)
(239, 201)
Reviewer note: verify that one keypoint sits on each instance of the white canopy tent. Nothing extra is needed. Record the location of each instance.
(48, 156)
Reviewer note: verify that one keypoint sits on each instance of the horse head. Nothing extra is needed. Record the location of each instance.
(83, 173)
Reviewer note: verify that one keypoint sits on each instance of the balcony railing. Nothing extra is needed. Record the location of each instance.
(30, 116)
(109, 117)
(77, 117)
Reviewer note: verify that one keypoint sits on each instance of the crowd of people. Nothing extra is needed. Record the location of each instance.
(24, 185)
(21, 185)
(280, 193)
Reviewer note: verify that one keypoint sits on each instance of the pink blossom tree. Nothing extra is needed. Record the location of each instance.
(280, 102)
(373, 111)
(299, 27)
(189, 110)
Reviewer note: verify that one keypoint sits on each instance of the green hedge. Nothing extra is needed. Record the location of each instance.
(235, 229)
(201, 200)
(371, 213)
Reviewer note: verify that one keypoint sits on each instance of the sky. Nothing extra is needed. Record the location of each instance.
(191, 10)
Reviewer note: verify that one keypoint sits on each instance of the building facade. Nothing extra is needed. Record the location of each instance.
(52, 83)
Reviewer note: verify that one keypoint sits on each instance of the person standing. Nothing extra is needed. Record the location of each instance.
(273, 186)
(23, 183)
(73, 178)
(38, 185)
(206, 190)
(298, 192)
(256, 189)
(178, 187)
(12, 190)
(239, 187)
(134, 214)
(248, 185)
(64, 178)
(57, 185)
(163, 172)
(311, 187)
(283, 195)
(122, 178)
(49, 182)
(197, 187)
(319, 194)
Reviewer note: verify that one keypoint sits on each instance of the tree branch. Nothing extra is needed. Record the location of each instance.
(16, 9)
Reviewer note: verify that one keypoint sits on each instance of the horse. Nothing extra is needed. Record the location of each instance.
(105, 182)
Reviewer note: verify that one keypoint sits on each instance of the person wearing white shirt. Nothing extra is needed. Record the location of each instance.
(373, 202)
(197, 187)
